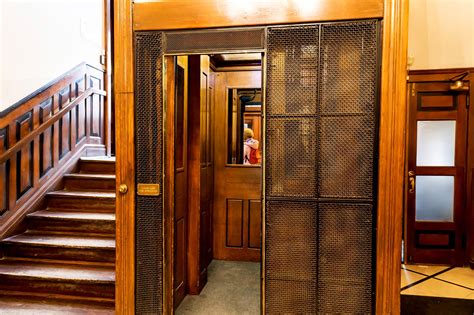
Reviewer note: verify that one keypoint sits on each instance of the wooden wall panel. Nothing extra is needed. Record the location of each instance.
(64, 123)
(96, 109)
(46, 138)
(4, 178)
(80, 111)
(255, 224)
(25, 158)
(234, 223)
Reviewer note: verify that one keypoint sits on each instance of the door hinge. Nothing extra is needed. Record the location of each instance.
(413, 89)
(467, 101)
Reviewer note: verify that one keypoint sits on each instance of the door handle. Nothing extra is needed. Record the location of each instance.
(123, 189)
(411, 181)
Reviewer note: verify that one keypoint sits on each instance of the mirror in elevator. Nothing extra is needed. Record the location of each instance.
(244, 123)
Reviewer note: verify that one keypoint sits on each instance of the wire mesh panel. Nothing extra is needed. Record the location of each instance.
(320, 162)
(348, 67)
(345, 258)
(346, 157)
(148, 123)
(291, 250)
(291, 164)
(292, 76)
(291, 98)
(291, 255)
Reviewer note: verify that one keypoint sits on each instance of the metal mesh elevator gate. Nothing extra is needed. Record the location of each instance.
(149, 152)
(321, 118)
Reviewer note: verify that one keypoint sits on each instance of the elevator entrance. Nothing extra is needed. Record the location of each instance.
(217, 181)
(319, 163)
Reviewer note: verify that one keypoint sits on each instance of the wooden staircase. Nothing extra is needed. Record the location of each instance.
(65, 261)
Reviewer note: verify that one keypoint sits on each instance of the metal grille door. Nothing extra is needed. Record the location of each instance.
(149, 129)
(321, 136)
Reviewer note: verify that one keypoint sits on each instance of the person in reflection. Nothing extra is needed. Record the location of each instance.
(250, 147)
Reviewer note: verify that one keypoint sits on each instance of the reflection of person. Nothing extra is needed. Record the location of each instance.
(250, 147)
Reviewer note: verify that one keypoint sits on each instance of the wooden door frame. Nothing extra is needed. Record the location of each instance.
(160, 15)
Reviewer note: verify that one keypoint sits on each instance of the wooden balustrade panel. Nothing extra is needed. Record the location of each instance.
(64, 124)
(80, 87)
(46, 138)
(24, 164)
(42, 133)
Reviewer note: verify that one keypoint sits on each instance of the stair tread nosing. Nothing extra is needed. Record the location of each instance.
(62, 241)
(24, 306)
(81, 194)
(89, 176)
(98, 159)
(64, 272)
(73, 215)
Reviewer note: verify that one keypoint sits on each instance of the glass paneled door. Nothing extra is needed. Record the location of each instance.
(436, 174)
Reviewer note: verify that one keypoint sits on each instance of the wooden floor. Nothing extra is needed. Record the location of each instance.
(64, 263)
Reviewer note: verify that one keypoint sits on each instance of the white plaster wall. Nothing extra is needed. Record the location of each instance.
(441, 34)
(42, 39)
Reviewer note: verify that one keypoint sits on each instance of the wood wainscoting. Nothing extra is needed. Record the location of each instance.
(43, 135)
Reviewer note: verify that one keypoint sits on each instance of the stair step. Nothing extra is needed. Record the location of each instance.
(63, 199)
(100, 165)
(80, 181)
(72, 221)
(18, 304)
(60, 247)
(73, 280)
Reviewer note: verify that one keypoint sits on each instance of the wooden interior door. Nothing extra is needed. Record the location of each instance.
(207, 167)
(436, 174)
(181, 182)
(200, 173)
(238, 207)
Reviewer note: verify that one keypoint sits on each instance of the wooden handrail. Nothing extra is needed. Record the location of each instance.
(18, 146)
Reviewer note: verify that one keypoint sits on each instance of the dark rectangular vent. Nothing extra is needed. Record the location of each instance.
(211, 41)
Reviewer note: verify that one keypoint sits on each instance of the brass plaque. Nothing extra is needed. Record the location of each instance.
(148, 189)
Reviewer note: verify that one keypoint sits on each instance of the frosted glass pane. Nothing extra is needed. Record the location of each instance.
(434, 198)
(435, 143)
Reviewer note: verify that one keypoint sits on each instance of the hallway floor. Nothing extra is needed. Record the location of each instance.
(233, 287)
(439, 281)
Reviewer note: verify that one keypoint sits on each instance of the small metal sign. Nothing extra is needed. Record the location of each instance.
(148, 189)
